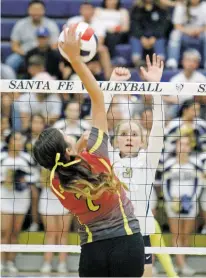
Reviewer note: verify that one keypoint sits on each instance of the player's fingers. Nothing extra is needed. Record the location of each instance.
(148, 62)
(143, 71)
(162, 65)
(154, 59)
(158, 61)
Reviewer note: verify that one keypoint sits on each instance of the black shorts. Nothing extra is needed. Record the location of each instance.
(147, 243)
(115, 257)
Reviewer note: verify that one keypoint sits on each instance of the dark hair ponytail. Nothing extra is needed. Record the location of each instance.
(76, 174)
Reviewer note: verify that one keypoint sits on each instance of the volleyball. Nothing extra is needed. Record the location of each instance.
(88, 42)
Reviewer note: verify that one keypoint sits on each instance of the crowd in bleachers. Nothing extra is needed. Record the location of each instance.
(127, 31)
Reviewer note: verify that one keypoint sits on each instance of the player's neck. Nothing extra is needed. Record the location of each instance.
(182, 158)
(13, 153)
(124, 155)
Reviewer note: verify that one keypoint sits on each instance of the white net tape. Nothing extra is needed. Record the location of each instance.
(76, 249)
(58, 86)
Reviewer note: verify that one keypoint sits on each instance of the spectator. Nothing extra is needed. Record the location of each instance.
(182, 178)
(10, 109)
(190, 62)
(116, 21)
(189, 20)
(7, 72)
(16, 176)
(101, 62)
(72, 124)
(5, 131)
(50, 56)
(149, 25)
(56, 220)
(23, 36)
(203, 195)
(49, 105)
(187, 124)
(37, 126)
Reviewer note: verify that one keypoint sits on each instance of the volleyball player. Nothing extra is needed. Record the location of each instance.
(85, 184)
(137, 167)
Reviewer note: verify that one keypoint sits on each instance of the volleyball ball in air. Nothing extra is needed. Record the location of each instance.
(88, 42)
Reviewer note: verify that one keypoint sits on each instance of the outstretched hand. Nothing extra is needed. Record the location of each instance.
(71, 44)
(120, 74)
(154, 70)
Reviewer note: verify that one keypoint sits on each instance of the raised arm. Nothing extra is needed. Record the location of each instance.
(154, 74)
(71, 46)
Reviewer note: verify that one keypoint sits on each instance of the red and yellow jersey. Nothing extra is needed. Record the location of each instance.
(109, 216)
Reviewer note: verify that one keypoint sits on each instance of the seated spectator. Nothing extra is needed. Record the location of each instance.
(189, 30)
(188, 124)
(49, 105)
(7, 72)
(16, 177)
(189, 74)
(182, 178)
(56, 221)
(50, 56)
(101, 62)
(72, 124)
(23, 36)
(149, 25)
(116, 21)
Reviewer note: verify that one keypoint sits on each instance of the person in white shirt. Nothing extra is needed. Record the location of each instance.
(72, 125)
(102, 59)
(190, 62)
(189, 28)
(116, 20)
(18, 172)
(135, 166)
(182, 179)
(23, 35)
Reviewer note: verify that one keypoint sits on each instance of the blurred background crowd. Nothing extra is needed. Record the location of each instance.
(127, 30)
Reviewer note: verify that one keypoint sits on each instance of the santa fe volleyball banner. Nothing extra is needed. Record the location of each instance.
(61, 86)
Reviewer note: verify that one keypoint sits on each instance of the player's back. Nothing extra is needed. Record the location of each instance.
(111, 215)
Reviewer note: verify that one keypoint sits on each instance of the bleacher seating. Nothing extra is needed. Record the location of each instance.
(60, 10)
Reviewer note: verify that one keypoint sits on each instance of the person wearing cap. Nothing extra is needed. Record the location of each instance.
(23, 35)
(44, 49)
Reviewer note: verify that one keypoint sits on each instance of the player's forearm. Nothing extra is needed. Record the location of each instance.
(156, 138)
(88, 80)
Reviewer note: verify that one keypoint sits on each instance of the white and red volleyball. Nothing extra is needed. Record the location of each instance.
(88, 42)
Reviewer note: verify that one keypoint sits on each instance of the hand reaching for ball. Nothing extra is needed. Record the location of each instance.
(71, 44)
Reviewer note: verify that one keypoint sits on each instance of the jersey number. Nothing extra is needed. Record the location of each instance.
(91, 206)
(128, 173)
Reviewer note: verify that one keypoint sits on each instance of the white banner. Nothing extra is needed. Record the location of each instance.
(61, 86)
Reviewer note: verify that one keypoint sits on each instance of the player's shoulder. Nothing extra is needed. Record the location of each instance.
(173, 125)
(201, 122)
(21, 23)
(169, 163)
(4, 156)
(197, 161)
(27, 158)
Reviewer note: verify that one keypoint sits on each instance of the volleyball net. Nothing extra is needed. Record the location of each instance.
(29, 106)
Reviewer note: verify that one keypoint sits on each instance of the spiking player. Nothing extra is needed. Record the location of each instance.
(85, 184)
